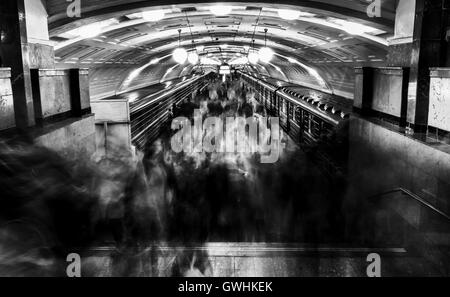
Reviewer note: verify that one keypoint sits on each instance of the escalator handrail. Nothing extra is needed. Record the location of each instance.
(415, 197)
(165, 94)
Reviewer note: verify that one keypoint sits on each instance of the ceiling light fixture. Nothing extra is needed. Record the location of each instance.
(209, 61)
(221, 10)
(353, 28)
(253, 56)
(239, 61)
(90, 31)
(288, 14)
(193, 58)
(154, 61)
(153, 15)
(265, 53)
(180, 54)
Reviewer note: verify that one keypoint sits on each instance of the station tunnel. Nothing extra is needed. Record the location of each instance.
(179, 138)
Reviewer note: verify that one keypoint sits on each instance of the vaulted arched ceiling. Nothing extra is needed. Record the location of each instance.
(124, 50)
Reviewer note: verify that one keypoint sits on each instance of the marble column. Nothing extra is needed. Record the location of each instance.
(362, 102)
(428, 50)
(14, 54)
(420, 44)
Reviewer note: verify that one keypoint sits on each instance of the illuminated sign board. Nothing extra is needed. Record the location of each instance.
(225, 69)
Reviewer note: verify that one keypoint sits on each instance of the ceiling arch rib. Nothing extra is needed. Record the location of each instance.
(100, 9)
(240, 21)
(305, 46)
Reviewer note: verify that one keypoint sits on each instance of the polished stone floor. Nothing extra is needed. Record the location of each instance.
(264, 260)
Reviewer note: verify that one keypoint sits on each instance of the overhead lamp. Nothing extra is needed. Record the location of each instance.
(292, 60)
(253, 57)
(289, 14)
(193, 58)
(240, 60)
(265, 53)
(90, 31)
(353, 28)
(209, 61)
(153, 15)
(180, 54)
(221, 10)
(154, 61)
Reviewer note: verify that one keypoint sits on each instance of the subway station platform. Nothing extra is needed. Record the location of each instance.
(237, 139)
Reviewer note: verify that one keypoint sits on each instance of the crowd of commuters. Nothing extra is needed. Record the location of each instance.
(137, 203)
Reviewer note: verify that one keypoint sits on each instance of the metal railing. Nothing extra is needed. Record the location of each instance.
(412, 196)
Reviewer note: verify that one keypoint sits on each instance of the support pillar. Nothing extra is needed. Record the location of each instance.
(14, 54)
(363, 90)
(420, 43)
(429, 49)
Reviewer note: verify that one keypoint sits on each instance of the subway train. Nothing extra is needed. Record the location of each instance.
(301, 116)
(316, 121)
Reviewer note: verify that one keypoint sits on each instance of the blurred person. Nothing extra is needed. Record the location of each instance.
(46, 210)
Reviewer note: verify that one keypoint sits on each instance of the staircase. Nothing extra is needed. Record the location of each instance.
(410, 244)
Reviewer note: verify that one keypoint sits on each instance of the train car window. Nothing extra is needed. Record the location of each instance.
(299, 115)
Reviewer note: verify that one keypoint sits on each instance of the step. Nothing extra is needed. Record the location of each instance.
(254, 260)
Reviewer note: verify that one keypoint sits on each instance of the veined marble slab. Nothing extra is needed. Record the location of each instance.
(439, 112)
